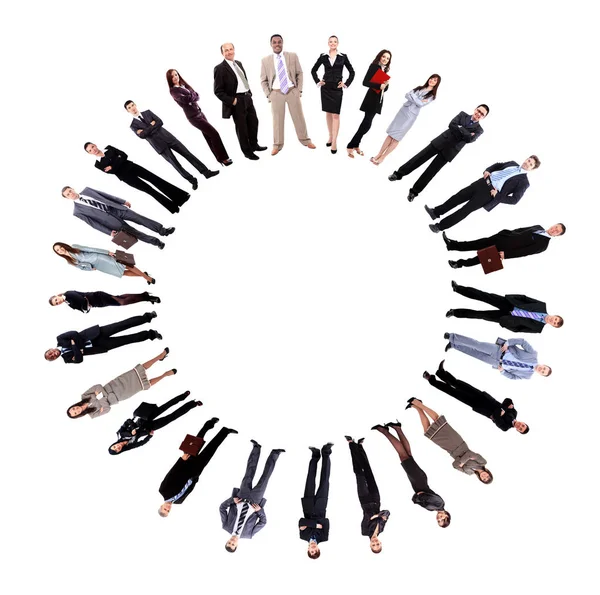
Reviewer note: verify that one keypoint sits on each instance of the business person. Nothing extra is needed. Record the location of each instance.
(416, 99)
(243, 514)
(73, 346)
(514, 243)
(440, 432)
(187, 98)
(118, 389)
(501, 183)
(374, 519)
(373, 101)
(84, 301)
(332, 86)
(148, 126)
(182, 478)
(515, 312)
(138, 430)
(97, 259)
(109, 214)
(443, 149)
(314, 525)
(516, 359)
(504, 415)
(281, 79)
(233, 90)
(424, 496)
(116, 162)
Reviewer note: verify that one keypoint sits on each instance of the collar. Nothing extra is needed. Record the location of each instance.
(277, 55)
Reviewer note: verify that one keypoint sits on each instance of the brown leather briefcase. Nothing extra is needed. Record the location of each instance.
(490, 259)
(123, 239)
(124, 258)
(192, 445)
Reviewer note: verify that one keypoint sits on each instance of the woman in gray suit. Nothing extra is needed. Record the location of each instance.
(439, 431)
(97, 259)
(120, 388)
(407, 116)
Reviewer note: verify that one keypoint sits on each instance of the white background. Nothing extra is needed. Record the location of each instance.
(303, 296)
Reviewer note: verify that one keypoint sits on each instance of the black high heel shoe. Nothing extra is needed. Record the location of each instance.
(377, 426)
(152, 281)
(328, 144)
(409, 406)
(393, 423)
(166, 350)
(334, 151)
(174, 370)
(227, 162)
(349, 438)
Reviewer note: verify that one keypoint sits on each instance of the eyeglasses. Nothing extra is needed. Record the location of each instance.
(481, 113)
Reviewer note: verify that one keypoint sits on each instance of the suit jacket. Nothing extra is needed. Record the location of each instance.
(524, 325)
(77, 300)
(502, 421)
(102, 221)
(512, 190)
(225, 85)
(80, 338)
(373, 101)
(177, 477)
(117, 160)
(521, 242)
(268, 74)
(311, 529)
(188, 99)
(333, 74)
(451, 141)
(254, 523)
(159, 138)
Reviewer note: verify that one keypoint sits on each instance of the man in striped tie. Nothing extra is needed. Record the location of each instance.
(281, 79)
(518, 313)
(108, 214)
(501, 183)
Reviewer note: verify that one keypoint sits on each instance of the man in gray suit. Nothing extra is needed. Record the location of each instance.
(516, 358)
(234, 511)
(108, 214)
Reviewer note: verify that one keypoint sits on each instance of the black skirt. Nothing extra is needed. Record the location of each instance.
(416, 476)
(331, 98)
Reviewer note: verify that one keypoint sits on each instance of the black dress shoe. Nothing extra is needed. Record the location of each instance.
(278, 450)
(194, 184)
(333, 151)
(169, 231)
(326, 450)
(210, 174)
(446, 336)
(435, 228)
(151, 315)
(394, 177)
(450, 313)
(198, 403)
(187, 197)
(454, 264)
(446, 240)
(315, 452)
(231, 431)
(360, 441)
(154, 299)
(259, 148)
(161, 245)
(454, 285)
(411, 196)
(448, 347)
(251, 156)
(155, 335)
(441, 367)
(431, 212)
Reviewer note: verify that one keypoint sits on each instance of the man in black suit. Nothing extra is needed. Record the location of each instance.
(501, 183)
(149, 126)
(108, 214)
(314, 525)
(72, 346)
(114, 161)
(182, 478)
(444, 148)
(510, 244)
(232, 88)
(514, 312)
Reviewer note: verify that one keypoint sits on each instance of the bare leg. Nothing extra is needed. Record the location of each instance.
(386, 142)
(419, 405)
(397, 444)
(135, 272)
(153, 381)
(335, 128)
(424, 419)
(151, 362)
(329, 119)
(390, 149)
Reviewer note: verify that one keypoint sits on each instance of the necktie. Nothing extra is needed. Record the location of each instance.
(517, 364)
(539, 316)
(94, 203)
(242, 518)
(500, 176)
(240, 73)
(283, 79)
(188, 483)
(141, 118)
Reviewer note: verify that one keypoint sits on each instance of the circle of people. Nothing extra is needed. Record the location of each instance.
(243, 514)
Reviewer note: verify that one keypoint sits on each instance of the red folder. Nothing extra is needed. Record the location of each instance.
(379, 78)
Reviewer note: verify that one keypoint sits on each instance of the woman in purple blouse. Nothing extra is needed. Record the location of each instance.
(187, 98)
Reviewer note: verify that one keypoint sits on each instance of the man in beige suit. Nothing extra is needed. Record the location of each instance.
(281, 79)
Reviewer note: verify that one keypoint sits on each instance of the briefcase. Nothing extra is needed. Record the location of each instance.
(191, 445)
(123, 239)
(124, 258)
(490, 259)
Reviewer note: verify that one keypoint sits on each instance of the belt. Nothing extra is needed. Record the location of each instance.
(488, 181)
(245, 93)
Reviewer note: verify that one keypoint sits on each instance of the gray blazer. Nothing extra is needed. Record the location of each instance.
(96, 218)
(255, 522)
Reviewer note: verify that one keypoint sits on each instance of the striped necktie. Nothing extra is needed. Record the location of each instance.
(498, 177)
(283, 79)
(94, 203)
(539, 316)
(240, 73)
(515, 364)
(242, 518)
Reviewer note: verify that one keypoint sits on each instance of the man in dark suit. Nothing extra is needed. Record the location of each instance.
(72, 346)
(232, 88)
(314, 525)
(114, 161)
(149, 126)
(107, 213)
(182, 478)
(504, 415)
(514, 243)
(514, 312)
(444, 148)
(247, 499)
(501, 183)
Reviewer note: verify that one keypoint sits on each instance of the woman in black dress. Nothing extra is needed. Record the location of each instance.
(332, 87)
(373, 100)
(85, 301)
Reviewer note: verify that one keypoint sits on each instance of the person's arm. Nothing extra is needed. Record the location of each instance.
(314, 70)
(520, 342)
(97, 225)
(455, 126)
(262, 521)
(510, 375)
(157, 122)
(533, 248)
(473, 136)
(507, 404)
(223, 510)
(466, 457)
(88, 249)
(414, 98)
(118, 152)
(181, 97)
(138, 129)
(111, 198)
(510, 194)
(479, 459)
(264, 79)
(308, 523)
(92, 392)
(219, 87)
(367, 80)
(351, 72)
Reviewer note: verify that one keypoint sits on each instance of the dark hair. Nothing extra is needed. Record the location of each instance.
(86, 146)
(50, 300)
(181, 79)
(477, 471)
(433, 92)
(446, 521)
(564, 229)
(526, 429)
(127, 103)
(379, 550)
(276, 35)
(378, 57)
(65, 188)
(487, 109)
(81, 404)
(332, 36)
(230, 549)
(560, 322)
(226, 44)
(536, 159)
(549, 371)
(68, 248)
(314, 555)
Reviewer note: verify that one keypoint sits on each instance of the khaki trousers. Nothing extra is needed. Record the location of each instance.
(278, 102)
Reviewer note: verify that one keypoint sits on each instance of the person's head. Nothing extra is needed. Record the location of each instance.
(174, 78)
(117, 447)
(131, 107)
(532, 162)
(376, 545)
(92, 149)
(69, 193)
(313, 550)
(384, 58)
(57, 300)
(558, 229)
(165, 509)
(521, 427)
(332, 42)
(433, 82)
(543, 369)
(484, 475)
(276, 43)
(79, 409)
(481, 111)
(232, 543)
(51, 354)
(554, 320)
(65, 251)
(443, 518)
(228, 51)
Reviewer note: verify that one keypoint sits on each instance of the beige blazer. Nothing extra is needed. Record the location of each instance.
(268, 74)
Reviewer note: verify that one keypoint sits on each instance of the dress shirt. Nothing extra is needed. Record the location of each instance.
(241, 87)
(498, 178)
(276, 84)
(92, 202)
(539, 316)
(332, 60)
(240, 505)
(87, 345)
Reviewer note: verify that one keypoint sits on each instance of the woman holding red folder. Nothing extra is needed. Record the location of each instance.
(377, 80)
